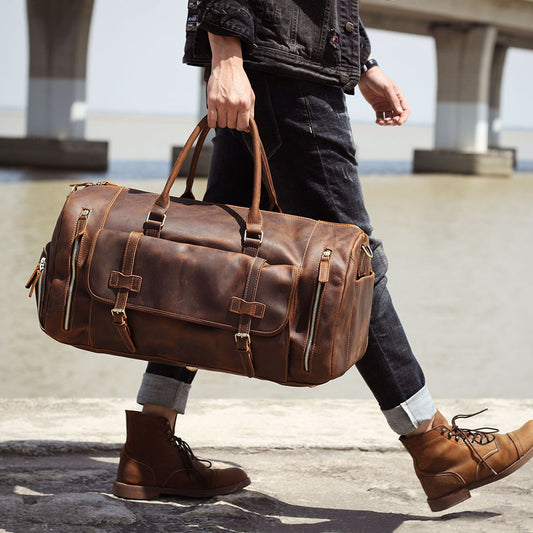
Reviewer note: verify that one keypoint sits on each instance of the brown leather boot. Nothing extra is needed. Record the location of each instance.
(449, 461)
(153, 462)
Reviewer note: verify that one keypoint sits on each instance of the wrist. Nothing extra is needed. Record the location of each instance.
(225, 48)
(368, 64)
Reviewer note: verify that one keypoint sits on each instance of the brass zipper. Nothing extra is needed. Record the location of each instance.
(76, 186)
(323, 278)
(80, 230)
(39, 285)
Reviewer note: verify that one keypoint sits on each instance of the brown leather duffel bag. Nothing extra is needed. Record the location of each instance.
(174, 280)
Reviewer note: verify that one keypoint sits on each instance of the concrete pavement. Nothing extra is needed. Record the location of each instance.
(318, 466)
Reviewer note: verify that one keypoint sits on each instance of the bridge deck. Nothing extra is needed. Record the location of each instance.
(514, 22)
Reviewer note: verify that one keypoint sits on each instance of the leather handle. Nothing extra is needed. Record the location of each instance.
(254, 219)
(267, 175)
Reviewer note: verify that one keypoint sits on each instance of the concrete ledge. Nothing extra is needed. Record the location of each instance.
(49, 426)
(204, 161)
(75, 154)
(493, 163)
(316, 467)
(513, 151)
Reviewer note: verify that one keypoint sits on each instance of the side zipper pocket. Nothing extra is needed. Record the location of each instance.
(81, 226)
(37, 282)
(323, 278)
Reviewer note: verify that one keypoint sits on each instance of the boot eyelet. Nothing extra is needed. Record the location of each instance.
(449, 435)
(442, 431)
(457, 438)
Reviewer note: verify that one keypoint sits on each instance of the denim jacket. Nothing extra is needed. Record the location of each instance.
(318, 40)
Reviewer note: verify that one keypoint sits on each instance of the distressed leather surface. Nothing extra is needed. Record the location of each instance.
(183, 293)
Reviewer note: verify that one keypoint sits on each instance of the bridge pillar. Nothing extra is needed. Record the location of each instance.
(59, 36)
(56, 112)
(495, 125)
(466, 71)
(498, 62)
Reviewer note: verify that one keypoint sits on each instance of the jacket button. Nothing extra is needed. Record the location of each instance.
(349, 27)
(344, 79)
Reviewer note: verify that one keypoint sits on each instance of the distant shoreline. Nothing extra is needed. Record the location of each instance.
(142, 136)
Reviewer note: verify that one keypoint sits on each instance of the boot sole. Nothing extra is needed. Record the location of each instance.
(458, 496)
(140, 492)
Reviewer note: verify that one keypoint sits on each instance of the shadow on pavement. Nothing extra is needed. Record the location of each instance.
(66, 493)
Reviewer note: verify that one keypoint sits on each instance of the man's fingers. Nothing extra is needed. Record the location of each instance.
(212, 118)
(386, 118)
(243, 121)
(226, 112)
(233, 120)
(398, 112)
(405, 107)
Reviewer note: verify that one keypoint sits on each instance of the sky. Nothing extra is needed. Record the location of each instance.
(134, 65)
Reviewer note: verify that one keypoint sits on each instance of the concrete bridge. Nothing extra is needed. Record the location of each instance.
(472, 38)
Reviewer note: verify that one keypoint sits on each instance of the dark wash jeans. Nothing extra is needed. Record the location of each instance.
(307, 135)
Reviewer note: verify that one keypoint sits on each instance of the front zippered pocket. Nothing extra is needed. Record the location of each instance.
(323, 278)
(81, 225)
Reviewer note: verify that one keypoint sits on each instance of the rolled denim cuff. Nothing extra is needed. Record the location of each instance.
(163, 391)
(412, 413)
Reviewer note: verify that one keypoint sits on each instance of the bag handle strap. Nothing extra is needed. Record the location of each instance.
(267, 175)
(254, 223)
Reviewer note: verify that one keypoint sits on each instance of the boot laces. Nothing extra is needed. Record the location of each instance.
(187, 452)
(481, 436)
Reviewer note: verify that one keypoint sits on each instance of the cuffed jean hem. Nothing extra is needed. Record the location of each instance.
(163, 391)
(412, 413)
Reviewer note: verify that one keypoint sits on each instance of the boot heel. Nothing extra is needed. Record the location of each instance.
(135, 492)
(442, 503)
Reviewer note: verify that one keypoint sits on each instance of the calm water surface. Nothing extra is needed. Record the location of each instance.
(460, 252)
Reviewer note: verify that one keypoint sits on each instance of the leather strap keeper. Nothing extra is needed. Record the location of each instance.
(242, 307)
(117, 280)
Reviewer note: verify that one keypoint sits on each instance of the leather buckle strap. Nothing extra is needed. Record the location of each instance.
(152, 226)
(242, 336)
(244, 349)
(119, 315)
(254, 219)
(252, 242)
(239, 337)
(259, 237)
(119, 310)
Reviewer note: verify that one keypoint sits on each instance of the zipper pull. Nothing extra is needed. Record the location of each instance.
(323, 272)
(76, 186)
(81, 224)
(364, 267)
(34, 278)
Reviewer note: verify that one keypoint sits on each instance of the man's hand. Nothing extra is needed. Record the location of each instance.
(230, 98)
(385, 97)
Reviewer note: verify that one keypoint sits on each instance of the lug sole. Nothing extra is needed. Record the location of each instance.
(453, 498)
(140, 492)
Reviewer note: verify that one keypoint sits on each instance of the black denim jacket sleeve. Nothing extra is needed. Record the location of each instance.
(364, 45)
(232, 18)
(266, 42)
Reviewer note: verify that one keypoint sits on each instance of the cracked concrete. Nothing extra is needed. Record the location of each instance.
(316, 467)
